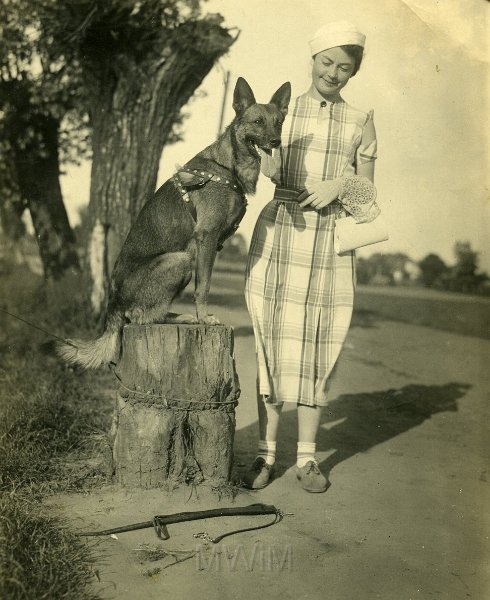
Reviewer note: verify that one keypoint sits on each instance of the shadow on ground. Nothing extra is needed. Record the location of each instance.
(355, 423)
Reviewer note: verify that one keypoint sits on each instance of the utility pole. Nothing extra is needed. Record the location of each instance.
(226, 81)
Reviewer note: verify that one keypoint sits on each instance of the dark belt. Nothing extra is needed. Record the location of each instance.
(287, 194)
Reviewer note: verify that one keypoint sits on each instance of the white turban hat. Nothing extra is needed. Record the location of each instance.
(339, 33)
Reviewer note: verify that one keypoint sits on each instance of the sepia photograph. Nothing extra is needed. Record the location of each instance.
(244, 300)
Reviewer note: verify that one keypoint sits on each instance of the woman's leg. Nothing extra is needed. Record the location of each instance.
(269, 416)
(259, 475)
(307, 470)
(308, 422)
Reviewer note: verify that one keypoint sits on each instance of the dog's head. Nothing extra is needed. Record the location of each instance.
(259, 125)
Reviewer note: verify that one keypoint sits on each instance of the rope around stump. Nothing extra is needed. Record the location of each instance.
(173, 403)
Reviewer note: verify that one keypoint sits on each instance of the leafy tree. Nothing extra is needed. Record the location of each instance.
(365, 270)
(464, 277)
(466, 260)
(381, 265)
(39, 127)
(140, 62)
(432, 267)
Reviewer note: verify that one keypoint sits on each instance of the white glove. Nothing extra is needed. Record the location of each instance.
(320, 194)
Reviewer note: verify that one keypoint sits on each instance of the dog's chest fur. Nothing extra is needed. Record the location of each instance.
(229, 153)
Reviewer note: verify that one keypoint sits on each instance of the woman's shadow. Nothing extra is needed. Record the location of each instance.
(359, 422)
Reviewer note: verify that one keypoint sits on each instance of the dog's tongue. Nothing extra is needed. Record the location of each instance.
(259, 150)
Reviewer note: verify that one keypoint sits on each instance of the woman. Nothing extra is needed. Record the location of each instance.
(299, 291)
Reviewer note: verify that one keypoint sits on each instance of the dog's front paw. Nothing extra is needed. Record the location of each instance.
(210, 320)
(178, 319)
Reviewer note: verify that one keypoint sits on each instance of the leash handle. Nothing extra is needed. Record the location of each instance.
(234, 511)
(160, 522)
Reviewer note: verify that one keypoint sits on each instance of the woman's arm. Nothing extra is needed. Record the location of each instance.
(366, 170)
(356, 192)
(366, 154)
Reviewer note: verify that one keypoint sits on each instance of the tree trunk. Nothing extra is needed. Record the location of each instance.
(133, 106)
(39, 184)
(12, 225)
(175, 414)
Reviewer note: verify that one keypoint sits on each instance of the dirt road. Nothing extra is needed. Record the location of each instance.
(406, 442)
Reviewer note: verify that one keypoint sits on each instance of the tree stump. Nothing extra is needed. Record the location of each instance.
(175, 413)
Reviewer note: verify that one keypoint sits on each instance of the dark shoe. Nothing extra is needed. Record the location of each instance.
(259, 475)
(311, 478)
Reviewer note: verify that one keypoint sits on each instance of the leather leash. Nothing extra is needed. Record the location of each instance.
(160, 522)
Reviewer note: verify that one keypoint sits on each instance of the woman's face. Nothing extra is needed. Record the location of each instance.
(332, 69)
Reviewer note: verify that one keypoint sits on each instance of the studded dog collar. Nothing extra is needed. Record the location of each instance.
(202, 172)
(195, 175)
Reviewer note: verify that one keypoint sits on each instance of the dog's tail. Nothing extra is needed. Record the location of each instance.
(92, 354)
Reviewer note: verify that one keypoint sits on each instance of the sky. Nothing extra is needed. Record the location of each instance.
(425, 74)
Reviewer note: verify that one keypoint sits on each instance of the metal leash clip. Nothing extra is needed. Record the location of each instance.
(202, 535)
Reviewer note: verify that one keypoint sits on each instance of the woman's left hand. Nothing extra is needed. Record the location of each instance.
(320, 194)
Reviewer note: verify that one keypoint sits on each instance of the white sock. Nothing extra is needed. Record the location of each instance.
(305, 453)
(267, 451)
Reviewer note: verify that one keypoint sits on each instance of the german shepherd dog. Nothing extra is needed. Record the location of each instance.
(181, 228)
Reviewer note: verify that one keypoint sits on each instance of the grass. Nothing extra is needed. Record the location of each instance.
(47, 417)
(52, 426)
(447, 312)
(39, 557)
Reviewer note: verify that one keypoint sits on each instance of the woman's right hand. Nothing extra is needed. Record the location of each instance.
(320, 194)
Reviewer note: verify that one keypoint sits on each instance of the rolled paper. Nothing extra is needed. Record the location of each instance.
(350, 235)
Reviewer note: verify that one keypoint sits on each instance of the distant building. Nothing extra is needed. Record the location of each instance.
(411, 270)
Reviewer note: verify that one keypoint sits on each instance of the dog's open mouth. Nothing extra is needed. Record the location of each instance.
(254, 147)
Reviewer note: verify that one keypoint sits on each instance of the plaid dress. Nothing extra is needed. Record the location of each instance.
(299, 292)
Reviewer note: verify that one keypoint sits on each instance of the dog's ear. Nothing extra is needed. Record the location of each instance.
(243, 97)
(282, 97)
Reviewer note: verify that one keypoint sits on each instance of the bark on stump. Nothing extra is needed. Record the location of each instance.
(175, 412)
